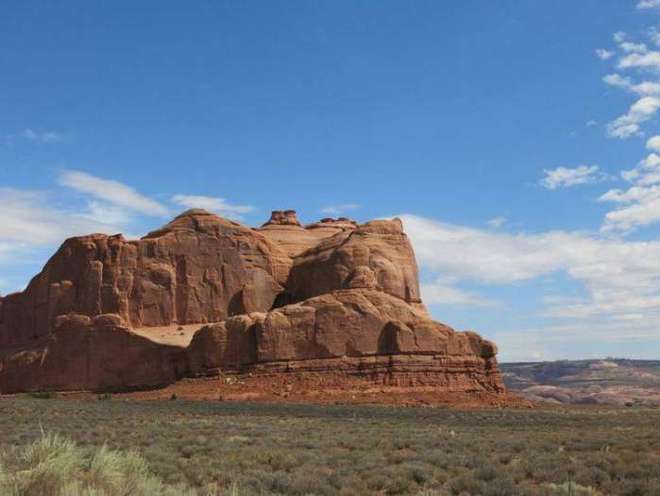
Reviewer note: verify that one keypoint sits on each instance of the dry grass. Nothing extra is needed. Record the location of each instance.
(55, 466)
(325, 450)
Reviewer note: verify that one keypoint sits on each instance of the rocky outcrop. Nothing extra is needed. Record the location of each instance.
(333, 296)
(374, 255)
(198, 268)
(284, 229)
(380, 337)
(96, 354)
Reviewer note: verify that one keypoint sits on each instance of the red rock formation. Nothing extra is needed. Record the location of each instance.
(285, 230)
(330, 297)
(198, 268)
(367, 332)
(97, 354)
(378, 251)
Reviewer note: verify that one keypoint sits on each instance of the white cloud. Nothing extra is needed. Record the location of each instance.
(9, 251)
(604, 54)
(339, 209)
(591, 123)
(618, 80)
(653, 143)
(42, 137)
(479, 255)
(629, 124)
(654, 35)
(112, 192)
(638, 58)
(496, 222)
(633, 216)
(577, 339)
(621, 278)
(440, 292)
(565, 177)
(31, 218)
(648, 4)
(630, 47)
(103, 213)
(645, 60)
(644, 171)
(35, 223)
(639, 205)
(645, 88)
(213, 204)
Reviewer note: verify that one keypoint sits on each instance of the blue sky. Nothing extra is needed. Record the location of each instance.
(515, 139)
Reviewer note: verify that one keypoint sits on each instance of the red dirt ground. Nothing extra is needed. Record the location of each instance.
(315, 388)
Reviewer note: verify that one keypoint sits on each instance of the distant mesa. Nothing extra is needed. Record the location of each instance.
(613, 381)
(204, 295)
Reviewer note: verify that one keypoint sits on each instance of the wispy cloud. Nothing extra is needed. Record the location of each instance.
(621, 278)
(10, 256)
(43, 136)
(639, 205)
(639, 59)
(654, 35)
(645, 88)
(653, 143)
(603, 54)
(339, 209)
(577, 339)
(442, 292)
(648, 4)
(629, 123)
(35, 223)
(631, 47)
(31, 218)
(566, 177)
(496, 222)
(112, 192)
(213, 204)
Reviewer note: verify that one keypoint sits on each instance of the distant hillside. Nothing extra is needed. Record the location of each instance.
(610, 381)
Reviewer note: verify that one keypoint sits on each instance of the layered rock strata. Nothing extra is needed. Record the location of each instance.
(333, 296)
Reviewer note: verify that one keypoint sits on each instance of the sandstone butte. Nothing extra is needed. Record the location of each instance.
(206, 296)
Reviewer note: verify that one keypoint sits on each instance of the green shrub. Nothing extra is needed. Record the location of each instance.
(42, 395)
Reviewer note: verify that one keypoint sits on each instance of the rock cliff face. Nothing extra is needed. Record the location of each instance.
(198, 268)
(333, 296)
